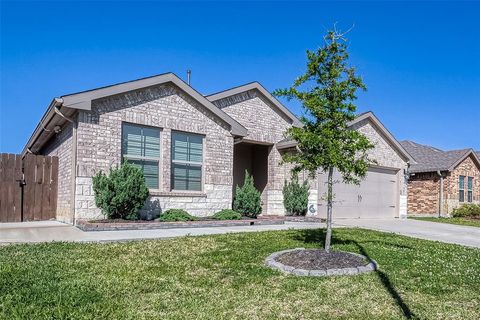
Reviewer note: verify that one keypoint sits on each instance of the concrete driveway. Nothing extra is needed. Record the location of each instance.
(463, 235)
(47, 231)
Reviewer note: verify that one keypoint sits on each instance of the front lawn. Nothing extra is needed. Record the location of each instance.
(223, 277)
(459, 221)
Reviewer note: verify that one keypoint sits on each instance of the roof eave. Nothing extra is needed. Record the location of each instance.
(83, 101)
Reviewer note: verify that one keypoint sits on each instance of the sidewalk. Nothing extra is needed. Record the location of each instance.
(47, 231)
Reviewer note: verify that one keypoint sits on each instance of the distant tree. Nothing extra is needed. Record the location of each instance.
(326, 92)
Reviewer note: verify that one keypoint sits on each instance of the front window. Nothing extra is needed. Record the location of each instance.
(461, 188)
(187, 161)
(470, 189)
(141, 147)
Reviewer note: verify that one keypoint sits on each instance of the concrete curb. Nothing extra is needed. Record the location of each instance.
(272, 263)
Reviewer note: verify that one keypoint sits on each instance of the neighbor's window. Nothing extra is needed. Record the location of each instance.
(187, 161)
(461, 188)
(141, 147)
(470, 189)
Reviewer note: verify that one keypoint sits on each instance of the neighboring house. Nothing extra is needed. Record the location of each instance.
(193, 149)
(440, 181)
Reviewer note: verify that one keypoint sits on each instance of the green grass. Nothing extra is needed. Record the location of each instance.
(223, 277)
(458, 221)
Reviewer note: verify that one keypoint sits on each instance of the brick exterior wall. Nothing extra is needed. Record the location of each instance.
(265, 125)
(423, 193)
(61, 146)
(168, 108)
(424, 189)
(466, 168)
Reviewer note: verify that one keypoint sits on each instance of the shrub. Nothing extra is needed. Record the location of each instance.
(121, 193)
(227, 214)
(247, 198)
(467, 210)
(295, 196)
(176, 215)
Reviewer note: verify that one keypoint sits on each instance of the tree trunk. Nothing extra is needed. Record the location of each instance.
(328, 238)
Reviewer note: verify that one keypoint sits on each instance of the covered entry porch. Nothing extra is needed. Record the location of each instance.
(252, 157)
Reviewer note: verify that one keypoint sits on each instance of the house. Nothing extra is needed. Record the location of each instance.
(439, 180)
(193, 149)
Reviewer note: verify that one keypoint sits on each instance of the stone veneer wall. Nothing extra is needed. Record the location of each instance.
(61, 146)
(168, 108)
(386, 156)
(265, 125)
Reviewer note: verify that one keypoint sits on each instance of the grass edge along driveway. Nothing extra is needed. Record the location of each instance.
(223, 277)
(456, 221)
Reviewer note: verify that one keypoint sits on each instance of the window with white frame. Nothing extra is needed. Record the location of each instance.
(469, 189)
(141, 147)
(461, 188)
(187, 161)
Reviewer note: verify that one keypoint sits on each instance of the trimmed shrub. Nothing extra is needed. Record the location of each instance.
(122, 193)
(227, 214)
(467, 210)
(176, 215)
(247, 198)
(295, 196)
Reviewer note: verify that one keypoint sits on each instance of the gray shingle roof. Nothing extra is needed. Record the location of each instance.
(430, 159)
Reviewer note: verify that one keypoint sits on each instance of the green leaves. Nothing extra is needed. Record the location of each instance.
(247, 198)
(122, 193)
(327, 91)
(295, 196)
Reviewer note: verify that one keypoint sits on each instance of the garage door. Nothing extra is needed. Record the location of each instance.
(375, 197)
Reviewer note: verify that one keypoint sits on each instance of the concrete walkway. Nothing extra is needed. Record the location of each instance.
(463, 235)
(47, 231)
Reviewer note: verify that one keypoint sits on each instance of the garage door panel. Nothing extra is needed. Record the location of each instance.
(375, 197)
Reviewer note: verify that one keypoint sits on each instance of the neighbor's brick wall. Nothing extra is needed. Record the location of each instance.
(168, 108)
(61, 146)
(265, 124)
(466, 168)
(424, 193)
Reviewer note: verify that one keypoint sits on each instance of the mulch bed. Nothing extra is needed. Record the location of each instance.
(314, 259)
(119, 224)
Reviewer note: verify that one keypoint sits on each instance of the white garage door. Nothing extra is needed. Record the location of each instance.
(375, 197)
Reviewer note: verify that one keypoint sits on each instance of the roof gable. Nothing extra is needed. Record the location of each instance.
(83, 100)
(256, 86)
(370, 116)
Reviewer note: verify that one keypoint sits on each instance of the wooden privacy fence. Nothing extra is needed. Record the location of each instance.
(28, 187)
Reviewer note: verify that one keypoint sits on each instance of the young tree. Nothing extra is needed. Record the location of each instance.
(327, 91)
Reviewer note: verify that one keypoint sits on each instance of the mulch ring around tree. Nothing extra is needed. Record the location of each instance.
(315, 262)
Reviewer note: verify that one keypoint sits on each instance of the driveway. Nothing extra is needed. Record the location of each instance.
(46, 231)
(463, 235)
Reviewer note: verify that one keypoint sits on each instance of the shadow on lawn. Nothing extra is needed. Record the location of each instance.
(318, 237)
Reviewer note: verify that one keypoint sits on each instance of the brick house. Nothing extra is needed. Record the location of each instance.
(440, 181)
(193, 149)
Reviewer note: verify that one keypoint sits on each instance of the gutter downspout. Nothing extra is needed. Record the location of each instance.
(440, 209)
(54, 106)
(73, 168)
